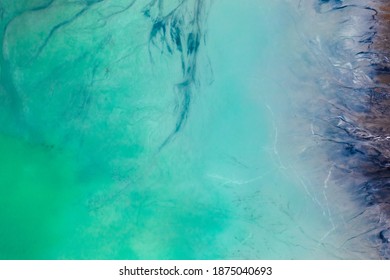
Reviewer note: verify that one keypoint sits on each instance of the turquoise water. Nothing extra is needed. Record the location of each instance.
(131, 130)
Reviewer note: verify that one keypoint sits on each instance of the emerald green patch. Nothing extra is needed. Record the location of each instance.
(35, 187)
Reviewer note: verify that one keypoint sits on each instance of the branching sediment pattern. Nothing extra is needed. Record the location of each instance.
(194, 129)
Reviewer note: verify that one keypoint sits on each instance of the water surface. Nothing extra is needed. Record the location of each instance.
(180, 130)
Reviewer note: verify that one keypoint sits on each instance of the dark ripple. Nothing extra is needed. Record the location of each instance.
(179, 30)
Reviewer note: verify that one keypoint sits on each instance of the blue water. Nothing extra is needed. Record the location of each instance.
(176, 130)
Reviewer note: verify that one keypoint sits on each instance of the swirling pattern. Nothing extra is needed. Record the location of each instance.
(194, 129)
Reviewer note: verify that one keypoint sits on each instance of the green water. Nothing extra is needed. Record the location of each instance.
(87, 102)
(37, 185)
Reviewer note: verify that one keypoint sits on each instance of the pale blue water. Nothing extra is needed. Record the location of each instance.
(182, 131)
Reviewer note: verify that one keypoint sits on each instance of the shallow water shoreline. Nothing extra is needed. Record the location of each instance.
(178, 168)
(381, 45)
(363, 127)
